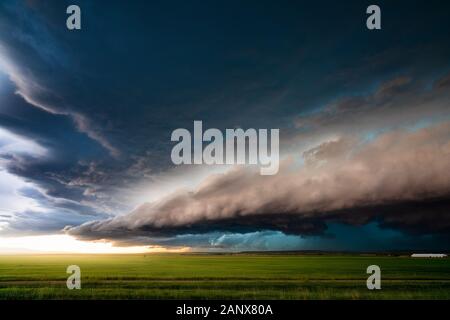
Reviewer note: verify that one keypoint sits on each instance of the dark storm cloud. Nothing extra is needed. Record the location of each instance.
(286, 223)
(129, 86)
(31, 56)
(103, 101)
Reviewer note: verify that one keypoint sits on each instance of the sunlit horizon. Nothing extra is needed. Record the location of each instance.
(65, 244)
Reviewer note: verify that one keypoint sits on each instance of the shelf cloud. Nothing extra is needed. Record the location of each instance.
(345, 180)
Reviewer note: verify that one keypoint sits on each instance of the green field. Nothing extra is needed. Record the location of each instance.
(230, 276)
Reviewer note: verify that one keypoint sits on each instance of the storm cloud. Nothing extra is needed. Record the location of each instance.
(86, 118)
(345, 180)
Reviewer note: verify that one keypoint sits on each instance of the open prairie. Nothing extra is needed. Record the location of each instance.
(225, 276)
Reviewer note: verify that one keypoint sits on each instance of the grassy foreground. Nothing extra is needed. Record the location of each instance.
(238, 276)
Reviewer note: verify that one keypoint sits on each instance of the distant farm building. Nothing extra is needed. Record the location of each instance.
(428, 255)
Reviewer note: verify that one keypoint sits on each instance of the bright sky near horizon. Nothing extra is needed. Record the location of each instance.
(68, 244)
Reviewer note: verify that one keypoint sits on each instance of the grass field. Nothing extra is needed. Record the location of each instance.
(238, 276)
